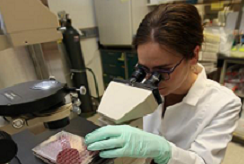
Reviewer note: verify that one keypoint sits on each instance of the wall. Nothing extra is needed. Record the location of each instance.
(53, 61)
(15, 67)
(82, 14)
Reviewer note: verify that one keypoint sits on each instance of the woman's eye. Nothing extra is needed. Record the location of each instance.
(163, 69)
(145, 69)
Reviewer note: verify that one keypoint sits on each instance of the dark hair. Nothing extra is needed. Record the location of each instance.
(177, 26)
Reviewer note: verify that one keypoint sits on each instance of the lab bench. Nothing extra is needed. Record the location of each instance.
(26, 141)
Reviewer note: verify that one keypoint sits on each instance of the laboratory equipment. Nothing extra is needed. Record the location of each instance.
(128, 100)
(8, 147)
(38, 102)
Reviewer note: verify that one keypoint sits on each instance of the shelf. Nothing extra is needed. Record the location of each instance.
(206, 3)
(224, 57)
(156, 4)
(224, 2)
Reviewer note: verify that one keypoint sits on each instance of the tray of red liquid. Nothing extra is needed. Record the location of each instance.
(64, 148)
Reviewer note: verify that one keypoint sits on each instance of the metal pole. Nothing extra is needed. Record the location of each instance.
(39, 62)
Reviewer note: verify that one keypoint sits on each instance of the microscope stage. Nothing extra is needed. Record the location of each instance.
(31, 97)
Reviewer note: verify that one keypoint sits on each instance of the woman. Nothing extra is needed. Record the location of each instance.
(194, 123)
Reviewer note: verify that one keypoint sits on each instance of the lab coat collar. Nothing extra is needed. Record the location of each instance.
(197, 88)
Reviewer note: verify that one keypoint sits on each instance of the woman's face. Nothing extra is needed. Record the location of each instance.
(155, 56)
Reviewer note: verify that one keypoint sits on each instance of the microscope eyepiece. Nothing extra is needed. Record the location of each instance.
(154, 79)
(138, 75)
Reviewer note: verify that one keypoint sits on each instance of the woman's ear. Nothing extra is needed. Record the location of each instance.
(194, 60)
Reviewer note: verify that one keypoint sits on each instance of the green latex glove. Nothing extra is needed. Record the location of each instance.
(126, 141)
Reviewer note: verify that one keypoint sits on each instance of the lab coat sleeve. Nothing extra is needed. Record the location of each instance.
(210, 145)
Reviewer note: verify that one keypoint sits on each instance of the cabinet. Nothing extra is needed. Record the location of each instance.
(117, 64)
(232, 76)
(118, 20)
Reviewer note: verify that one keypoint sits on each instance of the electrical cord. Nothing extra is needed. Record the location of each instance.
(95, 81)
(94, 77)
(6, 119)
(16, 157)
(89, 69)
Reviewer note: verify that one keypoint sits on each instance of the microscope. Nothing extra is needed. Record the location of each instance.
(128, 100)
(41, 104)
(37, 104)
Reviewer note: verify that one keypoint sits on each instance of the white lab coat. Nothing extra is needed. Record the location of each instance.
(200, 127)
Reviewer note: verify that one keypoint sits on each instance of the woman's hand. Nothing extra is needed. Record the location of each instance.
(126, 141)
